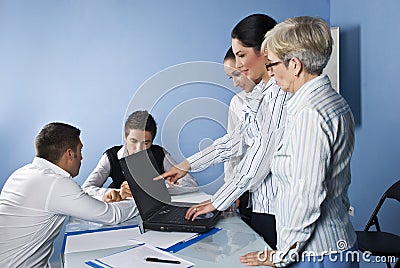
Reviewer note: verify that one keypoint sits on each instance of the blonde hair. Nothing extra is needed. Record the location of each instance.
(306, 38)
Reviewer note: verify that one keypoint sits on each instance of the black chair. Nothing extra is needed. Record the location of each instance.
(380, 243)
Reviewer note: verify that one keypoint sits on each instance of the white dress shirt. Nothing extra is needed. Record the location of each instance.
(34, 203)
(93, 184)
(254, 141)
(312, 169)
(235, 116)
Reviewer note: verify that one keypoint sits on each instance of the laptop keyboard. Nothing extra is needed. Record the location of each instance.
(177, 215)
(173, 215)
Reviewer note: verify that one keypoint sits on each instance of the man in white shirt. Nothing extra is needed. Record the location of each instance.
(140, 130)
(36, 199)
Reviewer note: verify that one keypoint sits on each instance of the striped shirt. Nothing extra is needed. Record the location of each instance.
(254, 140)
(312, 169)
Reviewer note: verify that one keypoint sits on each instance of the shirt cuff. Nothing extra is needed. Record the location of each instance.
(283, 258)
(216, 204)
(220, 204)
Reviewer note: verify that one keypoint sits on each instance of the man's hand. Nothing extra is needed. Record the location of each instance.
(258, 258)
(125, 191)
(175, 173)
(193, 212)
(112, 196)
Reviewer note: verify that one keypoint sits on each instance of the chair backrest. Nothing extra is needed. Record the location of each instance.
(394, 193)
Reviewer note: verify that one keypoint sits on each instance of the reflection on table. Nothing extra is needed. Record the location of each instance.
(220, 249)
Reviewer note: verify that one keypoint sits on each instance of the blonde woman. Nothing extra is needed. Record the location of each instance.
(312, 161)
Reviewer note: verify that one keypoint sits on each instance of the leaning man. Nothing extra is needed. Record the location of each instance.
(36, 199)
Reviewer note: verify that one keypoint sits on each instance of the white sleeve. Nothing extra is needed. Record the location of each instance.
(255, 165)
(93, 184)
(234, 143)
(234, 119)
(235, 113)
(229, 146)
(66, 197)
(186, 184)
(252, 169)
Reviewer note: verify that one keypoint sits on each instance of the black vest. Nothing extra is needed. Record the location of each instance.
(116, 170)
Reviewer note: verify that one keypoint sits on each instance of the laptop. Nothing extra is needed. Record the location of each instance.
(154, 201)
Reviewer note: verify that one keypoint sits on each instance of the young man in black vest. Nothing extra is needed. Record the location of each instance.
(139, 132)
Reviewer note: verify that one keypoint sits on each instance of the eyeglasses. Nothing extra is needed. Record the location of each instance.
(272, 64)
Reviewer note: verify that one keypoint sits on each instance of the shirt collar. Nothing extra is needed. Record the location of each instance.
(45, 164)
(295, 102)
(123, 152)
(263, 86)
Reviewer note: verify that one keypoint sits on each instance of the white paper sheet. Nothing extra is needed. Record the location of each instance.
(135, 257)
(164, 239)
(196, 197)
(101, 239)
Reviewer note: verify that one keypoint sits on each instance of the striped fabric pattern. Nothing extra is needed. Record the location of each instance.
(254, 140)
(312, 169)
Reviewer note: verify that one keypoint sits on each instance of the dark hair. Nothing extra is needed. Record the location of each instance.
(141, 120)
(54, 139)
(229, 55)
(250, 31)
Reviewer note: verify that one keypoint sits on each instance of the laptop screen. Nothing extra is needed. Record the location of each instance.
(139, 168)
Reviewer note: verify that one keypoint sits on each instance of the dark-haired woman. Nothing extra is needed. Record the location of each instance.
(254, 139)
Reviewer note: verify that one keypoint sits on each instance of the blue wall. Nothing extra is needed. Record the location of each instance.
(369, 53)
(84, 62)
(369, 34)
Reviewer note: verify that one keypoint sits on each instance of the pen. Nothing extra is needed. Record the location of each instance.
(190, 238)
(152, 259)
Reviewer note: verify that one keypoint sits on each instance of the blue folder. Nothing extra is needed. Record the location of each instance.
(72, 233)
(183, 244)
